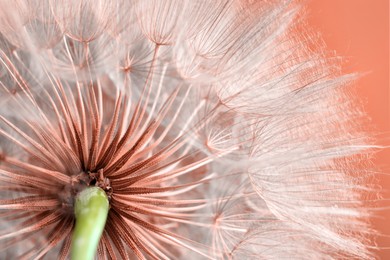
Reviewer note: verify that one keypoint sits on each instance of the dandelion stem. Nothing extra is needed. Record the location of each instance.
(91, 210)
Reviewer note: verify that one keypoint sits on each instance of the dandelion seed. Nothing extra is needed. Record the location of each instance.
(214, 128)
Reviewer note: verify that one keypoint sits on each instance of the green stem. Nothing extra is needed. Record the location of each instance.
(91, 210)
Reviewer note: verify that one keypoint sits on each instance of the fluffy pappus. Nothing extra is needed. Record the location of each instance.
(218, 130)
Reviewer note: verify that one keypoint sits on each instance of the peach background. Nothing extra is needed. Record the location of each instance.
(359, 31)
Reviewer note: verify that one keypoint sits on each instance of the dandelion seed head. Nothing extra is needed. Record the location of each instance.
(217, 129)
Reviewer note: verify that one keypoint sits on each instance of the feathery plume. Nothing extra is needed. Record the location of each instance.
(217, 129)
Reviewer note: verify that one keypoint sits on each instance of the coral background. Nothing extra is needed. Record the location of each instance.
(359, 31)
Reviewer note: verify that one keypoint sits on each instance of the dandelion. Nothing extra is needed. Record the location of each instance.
(214, 129)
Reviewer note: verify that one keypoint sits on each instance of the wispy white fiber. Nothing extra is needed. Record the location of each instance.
(220, 129)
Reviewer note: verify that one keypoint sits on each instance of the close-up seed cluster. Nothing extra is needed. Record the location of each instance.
(212, 129)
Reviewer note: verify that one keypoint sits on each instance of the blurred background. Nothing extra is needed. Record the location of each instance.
(359, 31)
